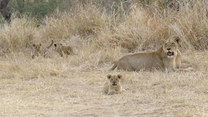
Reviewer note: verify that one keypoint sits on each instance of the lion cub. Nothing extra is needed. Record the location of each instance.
(39, 50)
(113, 86)
(61, 49)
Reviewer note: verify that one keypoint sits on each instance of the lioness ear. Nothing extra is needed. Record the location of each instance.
(109, 76)
(119, 76)
(177, 40)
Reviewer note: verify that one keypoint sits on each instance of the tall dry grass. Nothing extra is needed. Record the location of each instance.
(102, 35)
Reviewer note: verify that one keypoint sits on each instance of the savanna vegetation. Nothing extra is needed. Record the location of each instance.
(100, 32)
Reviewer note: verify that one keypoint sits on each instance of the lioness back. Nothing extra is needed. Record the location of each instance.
(133, 62)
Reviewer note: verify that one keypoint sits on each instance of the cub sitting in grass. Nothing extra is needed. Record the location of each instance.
(39, 50)
(61, 49)
(113, 86)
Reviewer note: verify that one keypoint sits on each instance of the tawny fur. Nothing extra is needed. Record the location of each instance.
(167, 57)
(39, 50)
(113, 86)
(63, 50)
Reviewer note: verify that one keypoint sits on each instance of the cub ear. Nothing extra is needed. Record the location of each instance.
(177, 40)
(109, 76)
(119, 76)
(33, 45)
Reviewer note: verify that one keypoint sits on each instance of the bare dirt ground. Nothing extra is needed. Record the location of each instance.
(53, 88)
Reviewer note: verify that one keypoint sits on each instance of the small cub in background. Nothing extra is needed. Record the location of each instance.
(113, 86)
(61, 49)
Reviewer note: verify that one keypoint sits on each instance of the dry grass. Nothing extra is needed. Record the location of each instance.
(56, 86)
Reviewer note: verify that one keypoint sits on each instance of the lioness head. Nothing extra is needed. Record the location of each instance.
(114, 80)
(170, 47)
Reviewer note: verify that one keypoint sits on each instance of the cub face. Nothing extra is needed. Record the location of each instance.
(37, 50)
(37, 47)
(170, 47)
(114, 80)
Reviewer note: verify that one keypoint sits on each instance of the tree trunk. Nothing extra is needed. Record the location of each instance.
(4, 11)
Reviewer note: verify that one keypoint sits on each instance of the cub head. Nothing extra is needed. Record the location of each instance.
(37, 47)
(170, 47)
(56, 45)
(114, 80)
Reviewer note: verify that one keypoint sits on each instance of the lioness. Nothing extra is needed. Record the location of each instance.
(113, 86)
(39, 50)
(61, 49)
(167, 57)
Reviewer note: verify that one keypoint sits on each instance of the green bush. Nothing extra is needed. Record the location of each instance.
(40, 8)
(37, 9)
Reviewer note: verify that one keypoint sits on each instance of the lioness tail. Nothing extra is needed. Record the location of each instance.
(114, 66)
